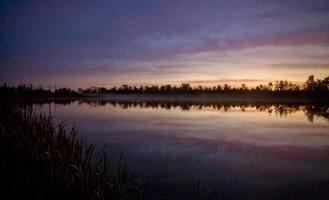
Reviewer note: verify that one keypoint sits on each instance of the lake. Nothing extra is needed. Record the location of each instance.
(217, 150)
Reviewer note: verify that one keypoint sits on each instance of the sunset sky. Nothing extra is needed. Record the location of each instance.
(112, 42)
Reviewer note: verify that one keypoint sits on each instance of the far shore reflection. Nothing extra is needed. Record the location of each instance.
(310, 110)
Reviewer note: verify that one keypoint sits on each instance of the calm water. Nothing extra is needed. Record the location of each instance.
(235, 151)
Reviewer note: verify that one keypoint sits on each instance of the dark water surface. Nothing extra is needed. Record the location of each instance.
(240, 151)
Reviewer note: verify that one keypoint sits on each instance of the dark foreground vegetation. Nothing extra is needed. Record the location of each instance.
(40, 160)
(311, 89)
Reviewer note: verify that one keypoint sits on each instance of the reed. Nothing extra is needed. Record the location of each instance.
(41, 160)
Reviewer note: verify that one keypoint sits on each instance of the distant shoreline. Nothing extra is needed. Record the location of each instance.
(207, 98)
(181, 98)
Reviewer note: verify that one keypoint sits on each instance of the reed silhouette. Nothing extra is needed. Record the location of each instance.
(41, 160)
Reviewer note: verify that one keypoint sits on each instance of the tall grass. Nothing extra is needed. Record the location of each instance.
(40, 160)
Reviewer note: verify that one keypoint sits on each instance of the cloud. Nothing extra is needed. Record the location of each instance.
(229, 81)
(160, 39)
(297, 65)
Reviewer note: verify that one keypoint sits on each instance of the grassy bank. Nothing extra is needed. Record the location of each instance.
(41, 160)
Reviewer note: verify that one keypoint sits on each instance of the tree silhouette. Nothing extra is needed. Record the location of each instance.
(311, 88)
(310, 84)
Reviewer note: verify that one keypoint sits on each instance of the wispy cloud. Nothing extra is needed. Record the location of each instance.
(170, 41)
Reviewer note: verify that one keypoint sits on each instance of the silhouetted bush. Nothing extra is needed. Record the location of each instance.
(30, 91)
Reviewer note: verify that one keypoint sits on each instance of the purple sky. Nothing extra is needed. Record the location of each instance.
(111, 42)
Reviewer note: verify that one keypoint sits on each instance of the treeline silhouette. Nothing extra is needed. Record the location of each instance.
(311, 87)
(30, 91)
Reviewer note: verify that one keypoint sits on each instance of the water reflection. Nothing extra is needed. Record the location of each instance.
(235, 150)
(311, 110)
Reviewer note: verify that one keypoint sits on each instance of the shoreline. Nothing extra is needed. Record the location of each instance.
(208, 98)
(181, 98)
